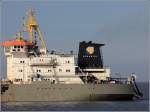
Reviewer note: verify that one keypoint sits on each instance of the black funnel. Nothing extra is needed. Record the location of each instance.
(89, 55)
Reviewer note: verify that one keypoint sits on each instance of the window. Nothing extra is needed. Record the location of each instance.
(14, 49)
(68, 61)
(18, 49)
(18, 46)
(41, 59)
(20, 70)
(21, 61)
(49, 70)
(38, 70)
(68, 70)
(15, 46)
(21, 46)
(60, 70)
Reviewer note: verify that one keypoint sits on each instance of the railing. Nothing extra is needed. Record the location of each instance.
(118, 80)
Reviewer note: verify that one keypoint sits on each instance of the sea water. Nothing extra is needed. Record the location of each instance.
(136, 105)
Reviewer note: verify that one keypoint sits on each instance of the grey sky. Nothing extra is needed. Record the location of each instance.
(122, 26)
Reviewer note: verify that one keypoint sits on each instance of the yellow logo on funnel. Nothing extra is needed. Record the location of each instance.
(90, 50)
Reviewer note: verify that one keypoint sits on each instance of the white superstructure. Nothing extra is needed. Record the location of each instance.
(22, 68)
(51, 67)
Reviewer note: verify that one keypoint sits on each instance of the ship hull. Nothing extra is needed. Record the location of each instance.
(67, 92)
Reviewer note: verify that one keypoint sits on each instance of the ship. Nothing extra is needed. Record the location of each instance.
(36, 74)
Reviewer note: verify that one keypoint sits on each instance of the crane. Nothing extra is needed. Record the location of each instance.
(33, 28)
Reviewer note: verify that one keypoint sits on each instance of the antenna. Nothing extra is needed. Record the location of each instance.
(24, 28)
